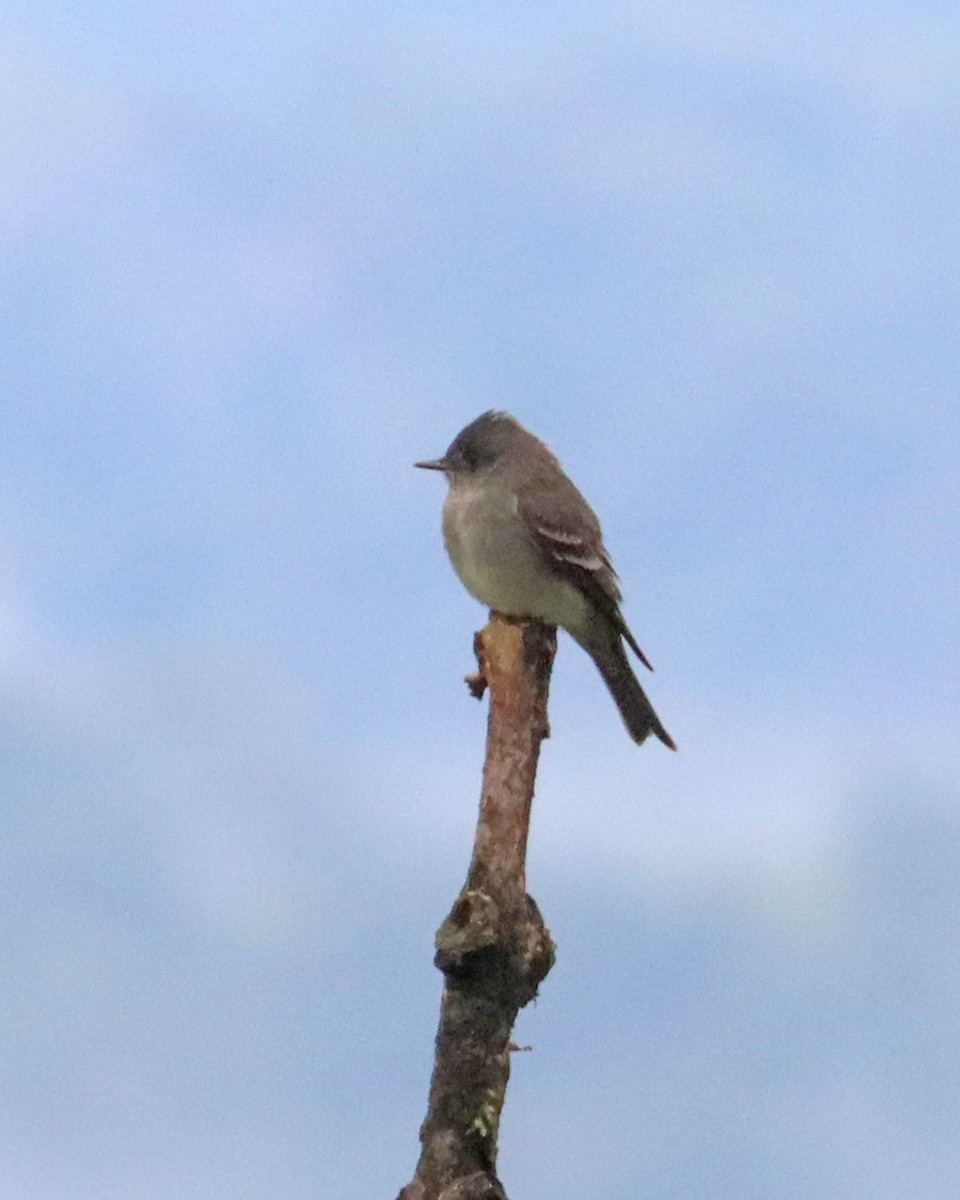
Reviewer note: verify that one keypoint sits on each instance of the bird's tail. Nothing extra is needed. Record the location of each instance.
(631, 699)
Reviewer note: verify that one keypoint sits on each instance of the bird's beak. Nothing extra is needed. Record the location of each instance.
(433, 464)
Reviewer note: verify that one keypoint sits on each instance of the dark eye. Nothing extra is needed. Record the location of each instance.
(465, 454)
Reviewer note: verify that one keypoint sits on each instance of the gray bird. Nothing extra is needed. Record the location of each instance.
(526, 543)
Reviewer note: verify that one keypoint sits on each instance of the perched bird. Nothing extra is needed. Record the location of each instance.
(526, 543)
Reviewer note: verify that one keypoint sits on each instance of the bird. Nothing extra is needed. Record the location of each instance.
(526, 543)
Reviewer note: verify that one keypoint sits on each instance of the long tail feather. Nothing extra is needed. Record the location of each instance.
(636, 710)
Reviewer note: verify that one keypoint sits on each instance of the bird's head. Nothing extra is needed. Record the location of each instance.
(478, 446)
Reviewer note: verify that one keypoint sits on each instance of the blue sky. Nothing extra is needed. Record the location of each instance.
(257, 262)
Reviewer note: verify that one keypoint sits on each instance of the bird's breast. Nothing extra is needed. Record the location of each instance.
(496, 557)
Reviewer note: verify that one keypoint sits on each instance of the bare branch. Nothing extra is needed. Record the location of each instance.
(493, 949)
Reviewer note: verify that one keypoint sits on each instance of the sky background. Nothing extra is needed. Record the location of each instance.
(256, 261)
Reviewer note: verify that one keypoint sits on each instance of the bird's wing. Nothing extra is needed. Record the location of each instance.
(567, 533)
